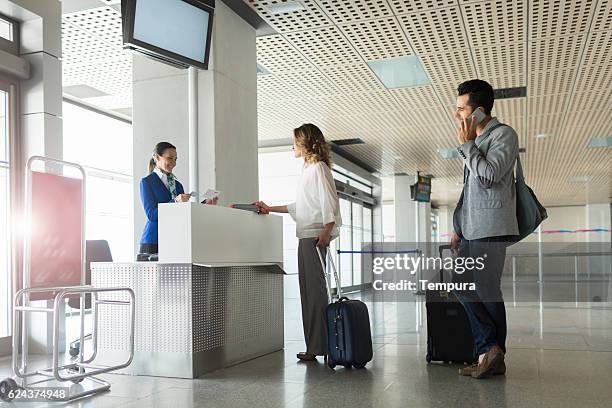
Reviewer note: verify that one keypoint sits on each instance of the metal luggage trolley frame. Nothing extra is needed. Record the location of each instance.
(82, 370)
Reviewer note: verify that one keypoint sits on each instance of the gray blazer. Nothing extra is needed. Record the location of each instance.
(489, 193)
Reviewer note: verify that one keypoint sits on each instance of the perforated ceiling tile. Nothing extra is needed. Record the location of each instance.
(557, 18)
(590, 101)
(593, 78)
(325, 47)
(377, 101)
(345, 11)
(495, 22)
(500, 60)
(598, 49)
(453, 67)
(435, 31)
(78, 44)
(414, 6)
(311, 16)
(276, 54)
(309, 83)
(545, 105)
(270, 88)
(377, 39)
(543, 124)
(555, 53)
(103, 23)
(602, 20)
(550, 82)
(447, 92)
(353, 78)
(505, 108)
(416, 97)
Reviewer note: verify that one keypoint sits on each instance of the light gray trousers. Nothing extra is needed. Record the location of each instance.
(313, 294)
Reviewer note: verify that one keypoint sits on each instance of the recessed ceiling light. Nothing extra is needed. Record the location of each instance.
(400, 72)
(261, 70)
(448, 153)
(581, 179)
(542, 135)
(600, 142)
(288, 7)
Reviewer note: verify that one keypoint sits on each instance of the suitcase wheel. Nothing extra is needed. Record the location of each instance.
(359, 365)
(6, 386)
(331, 365)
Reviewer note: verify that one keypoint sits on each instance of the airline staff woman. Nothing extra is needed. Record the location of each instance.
(316, 212)
(160, 186)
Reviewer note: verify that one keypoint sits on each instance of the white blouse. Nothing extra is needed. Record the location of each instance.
(316, 203)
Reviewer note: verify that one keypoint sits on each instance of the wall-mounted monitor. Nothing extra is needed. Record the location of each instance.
(421, 190)
(177, 32)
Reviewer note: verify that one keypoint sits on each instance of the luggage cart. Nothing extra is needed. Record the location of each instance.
(75, 379)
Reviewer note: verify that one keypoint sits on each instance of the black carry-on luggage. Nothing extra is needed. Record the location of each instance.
(449, 336)
(349, 340)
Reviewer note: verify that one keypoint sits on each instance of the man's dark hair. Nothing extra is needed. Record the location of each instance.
(480, 93)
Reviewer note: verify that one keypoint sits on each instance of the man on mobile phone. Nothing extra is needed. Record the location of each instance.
(484, 220)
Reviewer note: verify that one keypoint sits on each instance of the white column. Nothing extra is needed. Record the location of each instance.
(407, 212)
(226, 122)
(40, 125)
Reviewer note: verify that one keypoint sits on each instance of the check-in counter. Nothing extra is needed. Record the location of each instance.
(214, 299)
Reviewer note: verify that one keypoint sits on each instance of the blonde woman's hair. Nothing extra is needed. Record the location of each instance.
(309, 139)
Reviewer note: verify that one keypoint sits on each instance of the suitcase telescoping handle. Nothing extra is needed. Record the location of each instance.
(328, 257)
(442, 248)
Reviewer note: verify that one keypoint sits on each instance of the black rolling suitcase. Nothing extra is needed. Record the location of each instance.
(349, 340)
(449, 336)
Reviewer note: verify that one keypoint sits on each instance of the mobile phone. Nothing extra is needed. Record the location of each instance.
(478, 115)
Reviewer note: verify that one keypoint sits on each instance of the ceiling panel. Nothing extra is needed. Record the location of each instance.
(353, 78)
(435, 31)
(346, 11)
(325, 47)
(415, 6)
(559, 18)
(495, 22)
(277, 55)
(447, 67)
(555, 52)
(311, 16)
(503, 65)
(377, 39)
(602, 20)
(416, 97)
(559, 49)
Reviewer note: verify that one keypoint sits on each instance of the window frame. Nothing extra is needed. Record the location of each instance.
(11, 46)
(15, 200)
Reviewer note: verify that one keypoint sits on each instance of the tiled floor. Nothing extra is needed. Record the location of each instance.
(559, 355)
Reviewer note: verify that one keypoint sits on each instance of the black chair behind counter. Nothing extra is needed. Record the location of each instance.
(95, 251)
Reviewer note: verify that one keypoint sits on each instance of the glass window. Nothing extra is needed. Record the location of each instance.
(6, 29)
(357, 241)
(95, 140)
(103, 146)
(4, 127)
(5, 234)
(345, 244)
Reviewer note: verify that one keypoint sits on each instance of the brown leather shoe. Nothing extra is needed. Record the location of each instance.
(306, 356)
(467, 371)
(491, 362)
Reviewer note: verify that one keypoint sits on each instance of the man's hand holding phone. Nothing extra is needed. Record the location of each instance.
(467, 127)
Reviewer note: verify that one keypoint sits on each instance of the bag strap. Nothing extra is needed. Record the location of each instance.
(519, 168)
